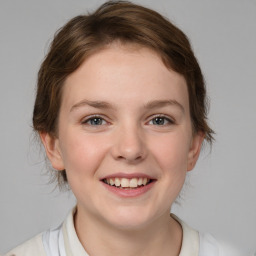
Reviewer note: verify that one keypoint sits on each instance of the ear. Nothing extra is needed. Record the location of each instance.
(194, 150)
(52, 149)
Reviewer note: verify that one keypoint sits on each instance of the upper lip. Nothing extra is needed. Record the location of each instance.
(128, 176)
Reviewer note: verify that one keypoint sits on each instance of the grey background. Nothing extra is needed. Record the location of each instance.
(221, 196)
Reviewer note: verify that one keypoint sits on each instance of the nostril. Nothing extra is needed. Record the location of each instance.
(129, 148)
(130, 158)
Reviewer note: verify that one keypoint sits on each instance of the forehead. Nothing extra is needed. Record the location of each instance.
(131, 70)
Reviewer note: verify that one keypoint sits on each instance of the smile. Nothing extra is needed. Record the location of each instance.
(124, 183)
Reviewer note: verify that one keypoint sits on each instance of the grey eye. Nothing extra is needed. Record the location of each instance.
(160, 121)
(95, 121)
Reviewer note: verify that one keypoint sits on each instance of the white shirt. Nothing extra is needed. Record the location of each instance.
(63, 241)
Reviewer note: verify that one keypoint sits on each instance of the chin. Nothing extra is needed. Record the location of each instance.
(130, 219)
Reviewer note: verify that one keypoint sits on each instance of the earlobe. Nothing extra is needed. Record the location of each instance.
(195, 149)
(51, 145)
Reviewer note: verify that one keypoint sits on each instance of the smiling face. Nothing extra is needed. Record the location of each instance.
(124, 136)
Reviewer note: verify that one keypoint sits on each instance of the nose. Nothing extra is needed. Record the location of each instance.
(129, 145)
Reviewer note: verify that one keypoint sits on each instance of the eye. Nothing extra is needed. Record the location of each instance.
(94, 121)
(161, 121)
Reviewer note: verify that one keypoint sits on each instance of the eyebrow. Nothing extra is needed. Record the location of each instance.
(149, 105)
(94, 104)
(163, 103)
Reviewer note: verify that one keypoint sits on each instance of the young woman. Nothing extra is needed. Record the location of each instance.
(121, 112)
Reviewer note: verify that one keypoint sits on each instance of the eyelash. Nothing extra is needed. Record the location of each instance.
(93, 118)
(167, 120)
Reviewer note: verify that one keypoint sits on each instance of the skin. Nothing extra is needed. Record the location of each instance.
(133, 87)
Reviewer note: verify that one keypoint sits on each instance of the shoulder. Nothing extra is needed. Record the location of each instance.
(32, 247)
(50, 242)
(211, 247)
(208, 245)
(203, 244)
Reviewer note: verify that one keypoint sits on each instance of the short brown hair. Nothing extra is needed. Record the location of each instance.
(125, 22)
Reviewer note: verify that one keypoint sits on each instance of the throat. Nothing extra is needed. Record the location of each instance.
(163, 237)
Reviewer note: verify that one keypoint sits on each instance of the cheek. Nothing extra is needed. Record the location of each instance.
(171, 152)
(81, 154)
(172, 156)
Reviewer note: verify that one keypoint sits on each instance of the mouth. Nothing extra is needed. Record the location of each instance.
(127, 184)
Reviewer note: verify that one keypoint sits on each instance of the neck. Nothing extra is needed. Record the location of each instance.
(162, 237)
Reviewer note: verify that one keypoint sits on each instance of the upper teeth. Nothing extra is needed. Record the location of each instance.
(126, 183)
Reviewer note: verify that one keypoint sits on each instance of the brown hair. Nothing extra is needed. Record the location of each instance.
(127, 23)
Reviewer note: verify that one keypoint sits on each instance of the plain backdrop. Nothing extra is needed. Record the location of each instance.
(221, 194)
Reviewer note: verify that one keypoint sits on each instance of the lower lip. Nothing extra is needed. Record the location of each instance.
(129, 192)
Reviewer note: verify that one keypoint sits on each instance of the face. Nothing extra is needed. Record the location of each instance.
(124, 136)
